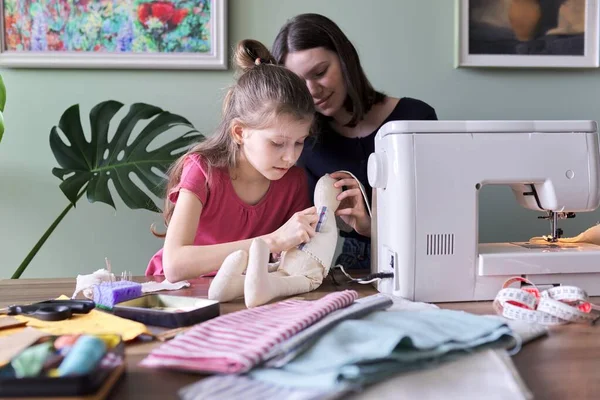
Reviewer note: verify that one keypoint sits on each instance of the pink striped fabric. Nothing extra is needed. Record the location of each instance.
(236, 342)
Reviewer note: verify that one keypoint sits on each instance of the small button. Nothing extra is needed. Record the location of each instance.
(570, 174)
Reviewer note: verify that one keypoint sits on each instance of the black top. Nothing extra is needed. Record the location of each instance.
(328, 151)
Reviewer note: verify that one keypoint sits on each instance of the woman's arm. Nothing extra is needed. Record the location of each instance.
(183, 260)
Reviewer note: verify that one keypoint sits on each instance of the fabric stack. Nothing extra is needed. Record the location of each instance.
(340, 346)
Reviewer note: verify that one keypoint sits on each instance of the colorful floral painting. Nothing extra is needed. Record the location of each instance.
(115, 26)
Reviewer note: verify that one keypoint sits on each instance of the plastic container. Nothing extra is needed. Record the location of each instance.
(167, 310)
(105, 374)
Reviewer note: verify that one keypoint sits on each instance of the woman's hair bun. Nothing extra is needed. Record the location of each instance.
(250, 53)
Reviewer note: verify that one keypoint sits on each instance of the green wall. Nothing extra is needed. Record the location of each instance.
(407, 49)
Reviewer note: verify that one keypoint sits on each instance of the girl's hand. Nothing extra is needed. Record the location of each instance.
(352, 208)
(298, 229)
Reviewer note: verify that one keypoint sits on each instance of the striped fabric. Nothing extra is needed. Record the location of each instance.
(236, 342)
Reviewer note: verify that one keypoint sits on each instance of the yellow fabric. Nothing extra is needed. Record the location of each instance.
(95, 323)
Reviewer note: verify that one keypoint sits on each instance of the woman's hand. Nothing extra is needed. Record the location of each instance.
(298, 229)
(352, 207)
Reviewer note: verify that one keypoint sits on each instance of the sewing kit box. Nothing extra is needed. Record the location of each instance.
(167, 310)
(94, 385)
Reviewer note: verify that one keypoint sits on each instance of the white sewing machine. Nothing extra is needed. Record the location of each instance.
(426, 176)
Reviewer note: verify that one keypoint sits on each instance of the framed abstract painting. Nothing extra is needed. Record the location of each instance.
(115, 34)
(527, 33)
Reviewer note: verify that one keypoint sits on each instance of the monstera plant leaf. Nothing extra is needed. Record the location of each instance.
(89, 166)
(2, 104)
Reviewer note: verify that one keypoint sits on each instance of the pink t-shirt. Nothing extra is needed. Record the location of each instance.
(225, 217)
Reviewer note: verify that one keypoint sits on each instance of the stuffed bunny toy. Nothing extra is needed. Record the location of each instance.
(300, 270)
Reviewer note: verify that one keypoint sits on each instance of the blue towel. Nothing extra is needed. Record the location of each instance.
(363, 351)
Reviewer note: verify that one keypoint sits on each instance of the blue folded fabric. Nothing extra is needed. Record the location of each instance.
(282, 353)
(383, 343)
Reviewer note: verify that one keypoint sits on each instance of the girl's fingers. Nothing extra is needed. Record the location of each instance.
(312, 219)
(305, 237)
(308, 219)
(309, 229)
(308, 211)
(308, 235)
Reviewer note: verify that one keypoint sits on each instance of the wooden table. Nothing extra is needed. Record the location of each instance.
(564, 365)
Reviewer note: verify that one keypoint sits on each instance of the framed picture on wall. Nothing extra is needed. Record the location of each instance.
(527, 33)
(114, 34)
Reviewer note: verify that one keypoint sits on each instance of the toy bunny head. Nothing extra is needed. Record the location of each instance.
(326, 194)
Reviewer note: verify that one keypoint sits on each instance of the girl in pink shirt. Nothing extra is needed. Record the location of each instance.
(241, 182)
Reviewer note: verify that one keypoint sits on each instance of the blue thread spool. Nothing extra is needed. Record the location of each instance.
(83, 356)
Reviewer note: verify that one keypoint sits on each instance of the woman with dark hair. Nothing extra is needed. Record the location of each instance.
(349, 114)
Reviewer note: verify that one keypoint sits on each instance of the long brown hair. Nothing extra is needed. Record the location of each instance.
(263, 91)
(309, 31)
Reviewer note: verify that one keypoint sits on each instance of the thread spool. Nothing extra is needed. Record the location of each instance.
(83, 356)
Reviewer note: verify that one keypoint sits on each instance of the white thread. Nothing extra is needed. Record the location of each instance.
(341, 268)
(362, 191)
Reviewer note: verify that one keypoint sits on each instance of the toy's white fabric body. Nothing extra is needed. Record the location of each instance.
(85, 283)
(300, 270)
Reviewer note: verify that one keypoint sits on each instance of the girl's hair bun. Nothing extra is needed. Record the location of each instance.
(250, 54)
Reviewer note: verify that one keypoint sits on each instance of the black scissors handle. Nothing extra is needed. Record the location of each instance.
(53, 310)
(76, 306)
(45, 313)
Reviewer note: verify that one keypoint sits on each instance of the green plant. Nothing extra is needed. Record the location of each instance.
(2, 104)
(87, 167)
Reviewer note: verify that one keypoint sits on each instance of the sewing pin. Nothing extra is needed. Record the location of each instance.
(108, 267)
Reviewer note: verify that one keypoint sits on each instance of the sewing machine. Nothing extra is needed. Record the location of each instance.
(426, 176)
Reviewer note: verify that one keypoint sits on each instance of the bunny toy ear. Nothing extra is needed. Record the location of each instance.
(326, 194)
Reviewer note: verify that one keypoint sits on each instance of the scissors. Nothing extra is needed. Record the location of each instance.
(51, 310)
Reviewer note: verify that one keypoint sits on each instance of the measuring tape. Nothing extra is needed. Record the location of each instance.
(556, 306)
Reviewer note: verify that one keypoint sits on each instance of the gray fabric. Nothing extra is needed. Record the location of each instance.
(231, 387)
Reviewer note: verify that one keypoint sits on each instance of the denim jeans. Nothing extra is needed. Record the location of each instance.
(355, 254)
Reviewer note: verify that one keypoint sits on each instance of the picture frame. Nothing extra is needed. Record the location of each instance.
(125, 34)
(500, 33)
